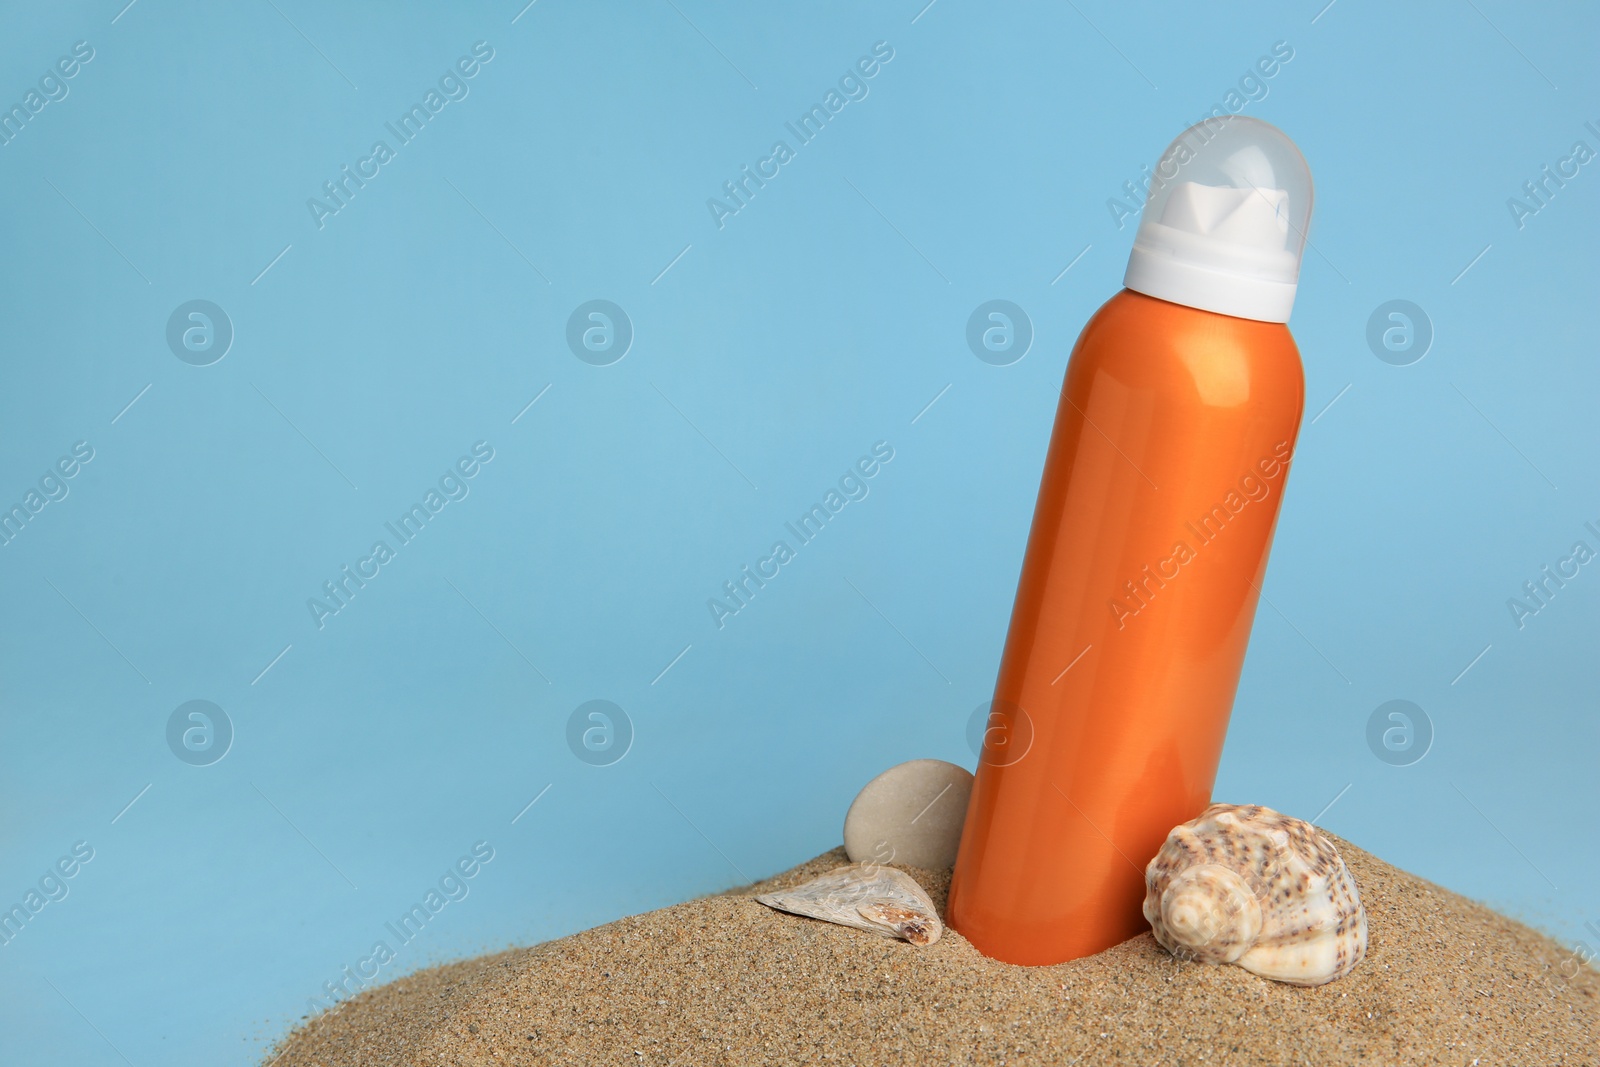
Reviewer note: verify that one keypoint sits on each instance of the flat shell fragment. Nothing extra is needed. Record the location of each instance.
(879, 900)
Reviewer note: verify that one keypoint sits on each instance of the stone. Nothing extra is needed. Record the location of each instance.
(912, 813)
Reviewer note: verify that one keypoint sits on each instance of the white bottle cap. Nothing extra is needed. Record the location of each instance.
(1225, 223)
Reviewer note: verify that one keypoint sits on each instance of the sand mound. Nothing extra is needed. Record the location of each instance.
(723, 980)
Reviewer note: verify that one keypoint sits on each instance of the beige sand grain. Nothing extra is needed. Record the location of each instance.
(724, 980)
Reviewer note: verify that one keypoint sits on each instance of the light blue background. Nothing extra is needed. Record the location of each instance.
(824, 317)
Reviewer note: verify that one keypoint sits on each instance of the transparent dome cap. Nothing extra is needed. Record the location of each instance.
(1225, 222)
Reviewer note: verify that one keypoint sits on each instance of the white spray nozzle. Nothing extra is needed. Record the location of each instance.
(1225, 222)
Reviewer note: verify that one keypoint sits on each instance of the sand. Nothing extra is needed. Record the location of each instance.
(724, 980)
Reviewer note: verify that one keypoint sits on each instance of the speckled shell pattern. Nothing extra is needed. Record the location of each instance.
(1247, 885)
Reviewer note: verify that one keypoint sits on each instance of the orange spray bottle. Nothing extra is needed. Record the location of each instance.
(1160, 493)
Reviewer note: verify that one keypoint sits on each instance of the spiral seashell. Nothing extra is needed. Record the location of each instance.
(1250, 886)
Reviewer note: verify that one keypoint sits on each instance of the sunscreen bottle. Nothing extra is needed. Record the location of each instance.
(1160, 493)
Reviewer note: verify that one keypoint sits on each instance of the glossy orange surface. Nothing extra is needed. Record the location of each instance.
(1149, 542)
